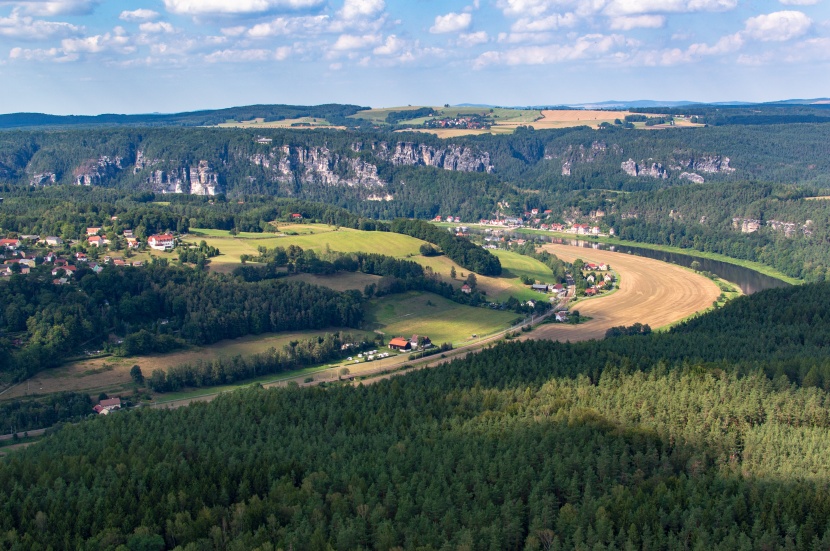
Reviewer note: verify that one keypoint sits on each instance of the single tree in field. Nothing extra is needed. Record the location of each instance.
(471, 280)
(452, 272)
(136, 374)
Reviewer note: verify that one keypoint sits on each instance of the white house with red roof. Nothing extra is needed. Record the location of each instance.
(162, 242)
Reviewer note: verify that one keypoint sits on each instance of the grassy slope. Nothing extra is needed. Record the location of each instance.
(343, 240)
(417, 313)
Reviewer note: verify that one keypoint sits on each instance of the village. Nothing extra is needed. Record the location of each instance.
(23, 254)
(538, 219)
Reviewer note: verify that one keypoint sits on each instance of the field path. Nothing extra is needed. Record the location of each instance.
(651, 292)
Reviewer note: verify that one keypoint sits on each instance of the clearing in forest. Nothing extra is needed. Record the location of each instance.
(427, 314)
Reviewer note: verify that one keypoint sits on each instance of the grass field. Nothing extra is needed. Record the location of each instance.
(343, 281)
(499, 114)
(500, 288)
(417, 313)
(311, 236)
(113, 374)
(306, 122)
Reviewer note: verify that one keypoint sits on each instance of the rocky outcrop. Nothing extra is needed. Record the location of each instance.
(97, 171)
(43, 179)
(200, 179)
(453, 157)
(747, 225)
(581, 154)
(203, 180)
(710, 164)
(654, 170)
(322, 166)
(692, 177)
(161, 181)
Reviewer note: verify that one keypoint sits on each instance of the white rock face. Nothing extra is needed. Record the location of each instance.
(692, 177)
(654, 170)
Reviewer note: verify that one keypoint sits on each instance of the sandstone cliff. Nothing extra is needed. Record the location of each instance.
(96, 171)
(653, 170)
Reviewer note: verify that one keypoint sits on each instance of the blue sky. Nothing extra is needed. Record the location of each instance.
(93, 56)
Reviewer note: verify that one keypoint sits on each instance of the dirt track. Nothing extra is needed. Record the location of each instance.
(651, 292)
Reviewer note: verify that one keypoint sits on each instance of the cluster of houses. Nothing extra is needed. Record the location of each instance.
(598, 283)
(402, 344)
(457, 122)
(17, 257)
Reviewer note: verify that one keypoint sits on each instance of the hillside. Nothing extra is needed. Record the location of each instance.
(695, 438)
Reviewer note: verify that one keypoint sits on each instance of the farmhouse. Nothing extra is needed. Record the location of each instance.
(420, 342)
(539, 288)
(53, 241)
(95, 240)
(12, 244)
(399, 343)
(296, 216)
(466, 289)
(162, 242)
(92, 231)
(108, 405)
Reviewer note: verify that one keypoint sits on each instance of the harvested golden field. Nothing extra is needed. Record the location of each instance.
(651, 292)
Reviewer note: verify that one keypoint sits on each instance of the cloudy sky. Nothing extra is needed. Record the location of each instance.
(93, 56)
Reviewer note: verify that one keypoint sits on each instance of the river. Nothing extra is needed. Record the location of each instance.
(747, 279)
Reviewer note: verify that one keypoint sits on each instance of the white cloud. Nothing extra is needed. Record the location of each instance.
(628, 22)
(54, 7)
(26, 28)
(140, 14)
(549, 23)
(50, 54)
(778, 26)
(237, 7)
(156, 27)
(468, 40)
(346, 42)
(357, 9)
(239, 56)
(799, 2)
(451, 23)
(284, 26)
(585, 47)
(391, 46)
(525, 38)
(116, 41)
(525, 8)
(638, 7)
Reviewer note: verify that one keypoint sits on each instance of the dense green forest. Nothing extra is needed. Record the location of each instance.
(334, 113)
(155, 309)
(711, 436)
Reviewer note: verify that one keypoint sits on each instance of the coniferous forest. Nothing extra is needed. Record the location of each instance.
(711, 436)
(714, 434)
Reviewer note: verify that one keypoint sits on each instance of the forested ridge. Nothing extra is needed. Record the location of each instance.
(694, 439)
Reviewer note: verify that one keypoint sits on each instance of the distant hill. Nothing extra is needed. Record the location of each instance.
(334, 113)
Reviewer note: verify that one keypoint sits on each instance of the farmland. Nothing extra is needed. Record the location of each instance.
(650, 292)
(317, 237)
(416, 313)
(294, 124)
